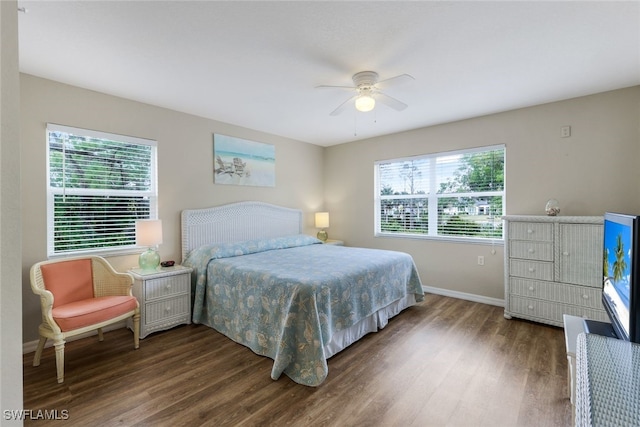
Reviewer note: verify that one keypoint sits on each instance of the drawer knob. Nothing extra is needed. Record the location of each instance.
(530, 231)
(565, 253)
(585, 296)
(167, 309)
(531, 250)
(168, 287)
(531, 288)
(531, 269)
(530, 307)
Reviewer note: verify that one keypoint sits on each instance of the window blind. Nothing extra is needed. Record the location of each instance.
(99, 184)
(452, 194)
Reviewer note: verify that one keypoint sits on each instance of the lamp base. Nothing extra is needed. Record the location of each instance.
(322, 235)
(149, 260)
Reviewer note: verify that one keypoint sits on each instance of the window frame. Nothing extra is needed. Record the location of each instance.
(52, 192)
(433, 197)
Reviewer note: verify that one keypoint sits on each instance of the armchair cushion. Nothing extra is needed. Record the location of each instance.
(68, 280)
(79, 314)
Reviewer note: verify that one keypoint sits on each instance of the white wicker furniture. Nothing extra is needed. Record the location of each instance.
(608, 382)
(104, 302)
(237, 222)
(164, 296)
(573, 326)
(553, 266)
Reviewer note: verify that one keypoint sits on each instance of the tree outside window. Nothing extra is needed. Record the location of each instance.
(99, 184)
(456, 194)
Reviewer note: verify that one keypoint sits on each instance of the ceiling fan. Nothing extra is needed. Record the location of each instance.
(367, 88)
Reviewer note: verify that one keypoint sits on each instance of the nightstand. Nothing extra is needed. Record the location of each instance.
(334, 242)
(164, 297)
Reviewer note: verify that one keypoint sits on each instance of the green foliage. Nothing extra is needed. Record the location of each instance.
(404, 216)
(101, 189)
(473, 214)
(386, 190)
(455, 225)
(91, 163)
(619, 265)
(478, 172)
(94, 222)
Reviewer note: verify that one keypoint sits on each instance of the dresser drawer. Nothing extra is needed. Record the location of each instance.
(167, 286)
(538, 231)
(559, 292)
(166, 308)
(540, 270)
(551, 311)
(541, 251)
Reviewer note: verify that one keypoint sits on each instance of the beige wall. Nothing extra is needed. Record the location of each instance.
(10, 241)
(595, 170)
(185, 167)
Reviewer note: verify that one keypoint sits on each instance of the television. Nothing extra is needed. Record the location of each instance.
(621, 274)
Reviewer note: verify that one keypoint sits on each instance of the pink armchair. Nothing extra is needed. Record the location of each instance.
(78, 295)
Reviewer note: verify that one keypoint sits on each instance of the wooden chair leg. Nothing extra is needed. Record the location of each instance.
(59, 345)
(36, 357)
(100, 335)
(136, 330)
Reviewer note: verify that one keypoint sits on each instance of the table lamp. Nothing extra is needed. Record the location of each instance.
(149, 234)
(322, 222)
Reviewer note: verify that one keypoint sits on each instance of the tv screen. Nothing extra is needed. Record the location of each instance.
(619, 273)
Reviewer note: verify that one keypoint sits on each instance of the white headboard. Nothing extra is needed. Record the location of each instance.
(236, 222)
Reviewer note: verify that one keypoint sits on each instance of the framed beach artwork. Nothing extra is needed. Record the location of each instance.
(242, 162)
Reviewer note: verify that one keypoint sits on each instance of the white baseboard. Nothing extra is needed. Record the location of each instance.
(463, 295)
(30, 347)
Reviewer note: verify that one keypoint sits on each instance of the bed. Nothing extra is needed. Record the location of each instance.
(261, 282)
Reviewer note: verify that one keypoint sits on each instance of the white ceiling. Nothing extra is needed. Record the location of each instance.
(256, 64)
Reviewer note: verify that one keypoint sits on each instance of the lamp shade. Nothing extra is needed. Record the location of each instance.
(322, 219)
(365, 103)
(148, 232)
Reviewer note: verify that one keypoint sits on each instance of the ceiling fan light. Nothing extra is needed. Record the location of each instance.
(365, 103)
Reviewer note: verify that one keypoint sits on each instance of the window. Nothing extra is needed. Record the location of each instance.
(98, 185)
(453, 195)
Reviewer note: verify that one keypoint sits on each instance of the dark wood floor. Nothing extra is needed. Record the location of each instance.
(445, 362)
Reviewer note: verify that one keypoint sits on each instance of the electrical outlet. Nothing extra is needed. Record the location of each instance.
(480, 260)
(565, 131)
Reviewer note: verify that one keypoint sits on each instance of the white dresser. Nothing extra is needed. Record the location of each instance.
(553, 266)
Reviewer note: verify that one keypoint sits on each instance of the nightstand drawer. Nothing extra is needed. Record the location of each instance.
(167, 308)
(166, 286)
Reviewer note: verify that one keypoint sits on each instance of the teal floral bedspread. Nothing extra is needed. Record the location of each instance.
(284, 298)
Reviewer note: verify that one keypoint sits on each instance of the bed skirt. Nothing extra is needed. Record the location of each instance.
(378, 320)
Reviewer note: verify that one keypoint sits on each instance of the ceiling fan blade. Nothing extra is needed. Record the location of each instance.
(402, 78)
(390, 102)
(342, 106)
(335, 87)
